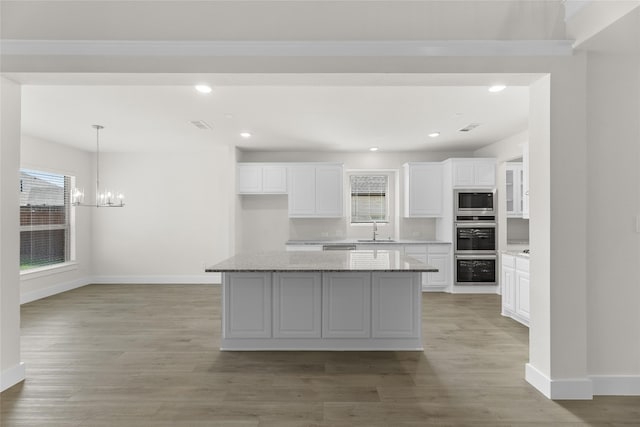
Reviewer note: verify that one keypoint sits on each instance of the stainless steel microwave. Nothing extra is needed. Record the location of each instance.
(475, 202)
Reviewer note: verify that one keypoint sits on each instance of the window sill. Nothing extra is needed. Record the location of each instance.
(34, 273)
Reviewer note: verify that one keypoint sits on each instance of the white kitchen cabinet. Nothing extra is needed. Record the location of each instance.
(261, 178)
(423, 191)
(525, 181)
(522, 288)
(474, 172)
(394, 305)
(248, 305)
(315, 190)
(346, 305)
(297, 305)
(508, 281)
(439, 256)
(514, 190)
(515, 288)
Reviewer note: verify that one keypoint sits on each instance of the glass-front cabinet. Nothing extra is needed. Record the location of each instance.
(514, 189)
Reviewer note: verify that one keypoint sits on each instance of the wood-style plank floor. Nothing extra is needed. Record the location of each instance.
(147, 355)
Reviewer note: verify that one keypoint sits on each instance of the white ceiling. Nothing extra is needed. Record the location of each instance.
(283, 112)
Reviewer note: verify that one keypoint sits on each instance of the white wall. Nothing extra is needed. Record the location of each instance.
(504, 150)
(176, 218)
(11, 370)
(613, 255)
(51, 157)
(264, 221)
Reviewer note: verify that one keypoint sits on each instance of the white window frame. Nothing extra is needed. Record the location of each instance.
(350, 196)
(67, 264)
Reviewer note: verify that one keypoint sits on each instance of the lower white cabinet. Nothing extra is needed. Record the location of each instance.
(515, 288)
(326, 310)
(297, 305)
(394, 306)
(346, 307)
(247, 297)
(438, 256)
(522, 288)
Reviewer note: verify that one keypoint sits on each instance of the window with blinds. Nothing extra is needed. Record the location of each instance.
(44, 219)
(369, 198)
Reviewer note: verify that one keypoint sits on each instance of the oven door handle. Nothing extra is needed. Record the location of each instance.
(478, 257)
(476, 225)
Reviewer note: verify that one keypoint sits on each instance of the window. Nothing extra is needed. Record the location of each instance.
(45, 212)
(369, 198)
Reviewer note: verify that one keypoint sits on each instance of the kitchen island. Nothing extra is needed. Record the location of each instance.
(334, 300)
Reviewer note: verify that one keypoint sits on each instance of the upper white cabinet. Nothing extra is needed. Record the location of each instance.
(514, 189)
(474, 173)
(315, 190)
(525, 181)
(261, 178)
(423, 190)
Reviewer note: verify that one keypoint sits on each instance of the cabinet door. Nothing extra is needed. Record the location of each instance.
(274, 179)
(508, 290)
(522, 294)
(346, 305)
(463, 173)
(302, 191)
(248, 305)
(329, 191)
(525, 181)
(485, 173)
(510, 191)
(297, 305)
(425, 190)
(440, 279)
(249, 178)
(395, 305)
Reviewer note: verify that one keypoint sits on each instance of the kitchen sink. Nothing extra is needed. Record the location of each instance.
(375, 241)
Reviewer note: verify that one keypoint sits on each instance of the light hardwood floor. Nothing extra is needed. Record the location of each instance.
(147, 355)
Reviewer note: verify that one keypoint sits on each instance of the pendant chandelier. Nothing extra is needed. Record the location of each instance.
(104, 198)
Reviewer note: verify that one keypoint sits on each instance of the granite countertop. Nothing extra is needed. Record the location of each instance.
(517, 253)
(334, 261)
(356, 242)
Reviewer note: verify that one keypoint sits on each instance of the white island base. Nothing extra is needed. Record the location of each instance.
(321, 310)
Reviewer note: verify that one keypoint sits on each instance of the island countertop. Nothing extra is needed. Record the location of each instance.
(330, 261)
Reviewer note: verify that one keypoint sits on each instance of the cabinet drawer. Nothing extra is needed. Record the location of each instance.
(522, 264)
(508, 261)
(439, 248)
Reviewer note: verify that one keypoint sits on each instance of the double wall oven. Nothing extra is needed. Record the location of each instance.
(475, 237)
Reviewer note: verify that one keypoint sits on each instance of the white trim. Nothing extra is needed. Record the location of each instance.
(34, 273)
(616, 385)
(12, 376)
(53, 290)
(208, 278)
(563, 389)
(394, 48)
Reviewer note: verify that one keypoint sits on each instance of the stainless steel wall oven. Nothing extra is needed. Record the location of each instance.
(475, 238)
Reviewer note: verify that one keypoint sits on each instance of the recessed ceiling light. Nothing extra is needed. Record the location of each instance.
(434, 134)
(373, 149)
(203, 88)
(497, 88)
(245, 134)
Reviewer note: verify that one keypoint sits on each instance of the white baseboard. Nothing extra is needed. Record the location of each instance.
(562, 389)
(12, 376)
(208, 278)
(616, 385)
(53, 290)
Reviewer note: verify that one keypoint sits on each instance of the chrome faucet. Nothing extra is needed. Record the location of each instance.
(375, 230)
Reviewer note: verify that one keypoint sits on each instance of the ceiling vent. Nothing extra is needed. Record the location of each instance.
(469, 127)
(200, 124)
